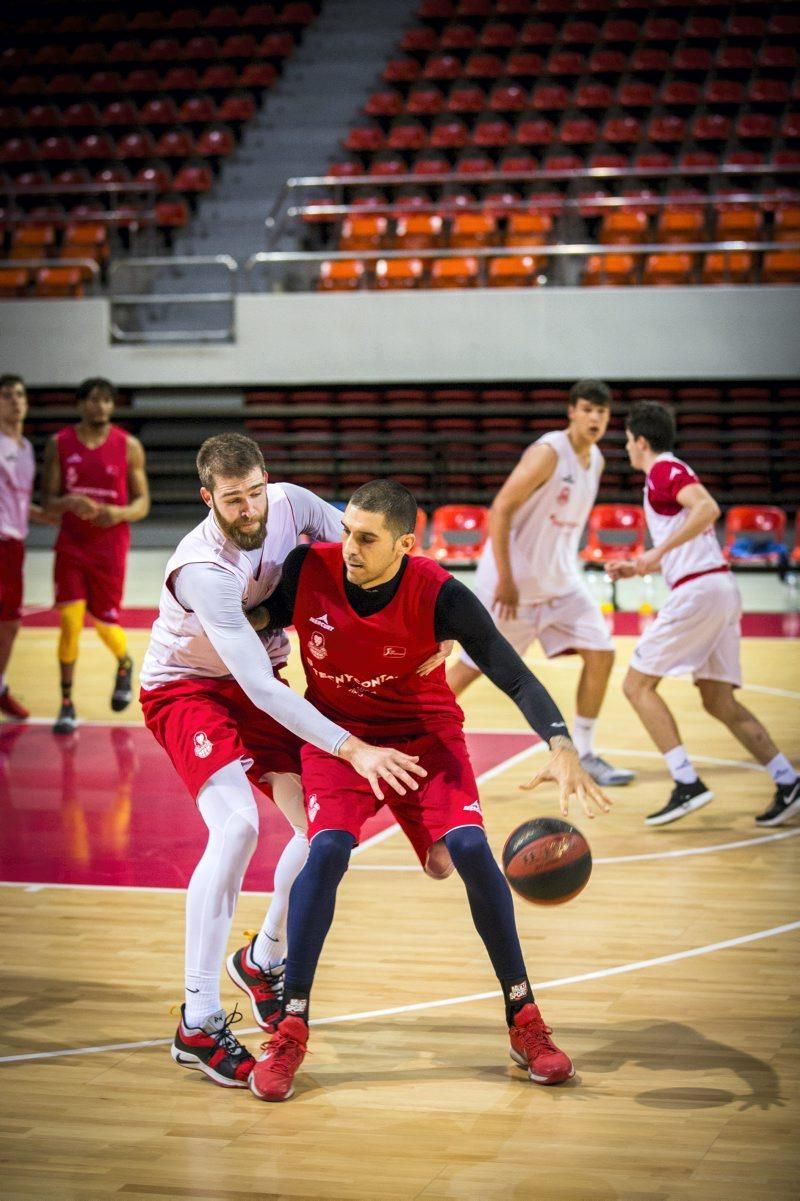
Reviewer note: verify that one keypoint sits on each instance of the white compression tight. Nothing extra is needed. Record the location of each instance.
(227, 806)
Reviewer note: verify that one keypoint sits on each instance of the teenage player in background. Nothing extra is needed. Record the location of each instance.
(365, 627)
(94, 480)
(529, 576)
(212, 697)
(17, 472)
(697, 630)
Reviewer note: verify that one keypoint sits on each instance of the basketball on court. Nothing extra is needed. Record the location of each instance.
(547, 861)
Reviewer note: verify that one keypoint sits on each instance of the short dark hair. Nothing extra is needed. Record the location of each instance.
(593, 390)
(395, 502)
(230, 455)
(654, 421)
(9, 379)
(85, 389)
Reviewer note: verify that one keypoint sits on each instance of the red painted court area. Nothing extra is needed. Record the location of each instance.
(105, 807)
(754, 625)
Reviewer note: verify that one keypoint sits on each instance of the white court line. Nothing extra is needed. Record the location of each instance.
(678, 854)
(600, 974)
(110, 725)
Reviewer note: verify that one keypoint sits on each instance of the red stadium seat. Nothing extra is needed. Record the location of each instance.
(627, 525)
(754, 521)
(458, 534)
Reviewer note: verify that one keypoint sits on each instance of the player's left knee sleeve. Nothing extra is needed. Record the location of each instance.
(71, 622)
(114, 637)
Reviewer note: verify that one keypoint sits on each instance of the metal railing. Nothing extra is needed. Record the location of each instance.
(140, 308)
(554, 250)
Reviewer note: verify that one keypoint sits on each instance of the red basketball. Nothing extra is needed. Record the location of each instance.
(547, 861)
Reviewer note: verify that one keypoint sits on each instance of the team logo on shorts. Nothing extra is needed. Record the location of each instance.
(203, 746)
(313, 806)
(316, 645)
(475, 807)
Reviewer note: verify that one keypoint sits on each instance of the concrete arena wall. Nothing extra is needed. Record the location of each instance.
(368, 337)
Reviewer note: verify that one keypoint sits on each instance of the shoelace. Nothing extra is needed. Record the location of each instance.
(286, 1053)
(536, 1035)
(226, 1038)
(269, 988)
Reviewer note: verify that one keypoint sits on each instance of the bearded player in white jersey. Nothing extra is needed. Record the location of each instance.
(212, 697)
(697, 630)
(529, 576)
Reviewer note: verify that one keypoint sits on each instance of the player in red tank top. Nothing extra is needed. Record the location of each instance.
(369, 631)
(94, 480)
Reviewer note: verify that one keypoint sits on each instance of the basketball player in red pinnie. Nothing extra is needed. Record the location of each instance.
(16, 511)
(697, 630)
(529, 576)
(365, 627)
(94, 480)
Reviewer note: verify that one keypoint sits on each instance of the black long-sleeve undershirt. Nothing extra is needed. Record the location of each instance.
(458, 615)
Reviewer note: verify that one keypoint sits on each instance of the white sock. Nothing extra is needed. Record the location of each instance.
(779, 768)
(270, 945)
(227, 807)
(583, 734)
(680, 767)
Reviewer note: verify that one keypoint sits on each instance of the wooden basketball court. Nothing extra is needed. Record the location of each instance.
(672, 981)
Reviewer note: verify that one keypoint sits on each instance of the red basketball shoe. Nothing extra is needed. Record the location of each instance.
(533, 1048)
(11, 706)
(272, 1079)
(264, 988)
(211, 1048)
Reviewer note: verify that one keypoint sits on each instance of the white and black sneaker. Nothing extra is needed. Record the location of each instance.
(785, 805)
(685, 798)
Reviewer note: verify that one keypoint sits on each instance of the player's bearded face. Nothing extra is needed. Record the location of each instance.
(240, 508)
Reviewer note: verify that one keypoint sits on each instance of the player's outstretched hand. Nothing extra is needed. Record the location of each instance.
(441, 655)
(377, 763)
(564, 768)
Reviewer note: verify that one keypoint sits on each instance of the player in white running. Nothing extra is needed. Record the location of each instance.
(529, 576)
(697, 630)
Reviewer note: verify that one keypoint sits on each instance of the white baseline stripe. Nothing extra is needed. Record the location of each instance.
(678, 854)
(600, 974)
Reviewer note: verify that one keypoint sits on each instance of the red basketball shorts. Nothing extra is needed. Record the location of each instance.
(12, 556)
(97, 577)
(205, 724)
(337, 798)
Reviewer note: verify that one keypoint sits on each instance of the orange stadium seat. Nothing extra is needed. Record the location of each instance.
(735, 267)
(454, 272)
(781, 267)
(665, 270)
(458, 533)
(473, 229)
(363, 233)
(610, 270)
(398, 273)
(59, 282)
(418, 231)
(512, 271)
(13, 281)
(626, 522)
(340, 275)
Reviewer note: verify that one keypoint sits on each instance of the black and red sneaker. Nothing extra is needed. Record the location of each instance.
(10, 706)
(272, 1078)
(533, 1048)
(213, 1049)
(264, 988)
(122, 695)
